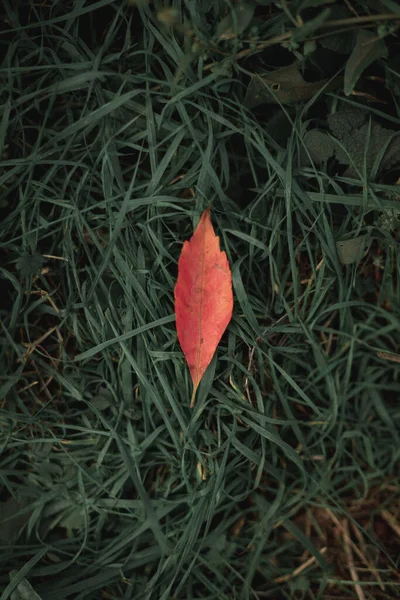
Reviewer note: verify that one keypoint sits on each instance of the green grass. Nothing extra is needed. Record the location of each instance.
(112, 142)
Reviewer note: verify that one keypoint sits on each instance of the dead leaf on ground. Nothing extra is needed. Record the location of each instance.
(284, 86)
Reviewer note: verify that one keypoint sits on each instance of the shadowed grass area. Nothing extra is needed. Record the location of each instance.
(283, 481)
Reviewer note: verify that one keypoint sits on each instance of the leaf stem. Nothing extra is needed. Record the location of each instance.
(193, 397)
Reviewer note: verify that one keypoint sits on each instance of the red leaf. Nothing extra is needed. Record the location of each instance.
(203, 298)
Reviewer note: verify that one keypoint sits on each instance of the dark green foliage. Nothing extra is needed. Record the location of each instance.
(364, 143)
(318, 147)
(119, 124)
(29, 264)
(368, 48)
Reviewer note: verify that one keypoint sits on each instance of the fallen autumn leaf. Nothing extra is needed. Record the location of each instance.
(203, 298)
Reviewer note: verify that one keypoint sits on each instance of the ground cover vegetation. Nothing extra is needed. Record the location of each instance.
(120, 124)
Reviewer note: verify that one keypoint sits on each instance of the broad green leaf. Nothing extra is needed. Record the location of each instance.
(392, 5)
(363, 145)
(103, 399)
(236, 22)
(319, 146)
(284, 86)
(280, 127)
(349, 251)
(73, 520)
(368, 48)
(12, 519)
(29, 264)
(24, 590)
(342, 42)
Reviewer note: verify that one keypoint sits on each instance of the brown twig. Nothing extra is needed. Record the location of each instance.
(388, 356)
(391, 521)
(358, 20)
(350, 561)
(32, 345)
(363, 553)
(351, 8)
(349, 22)
(310, 561)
